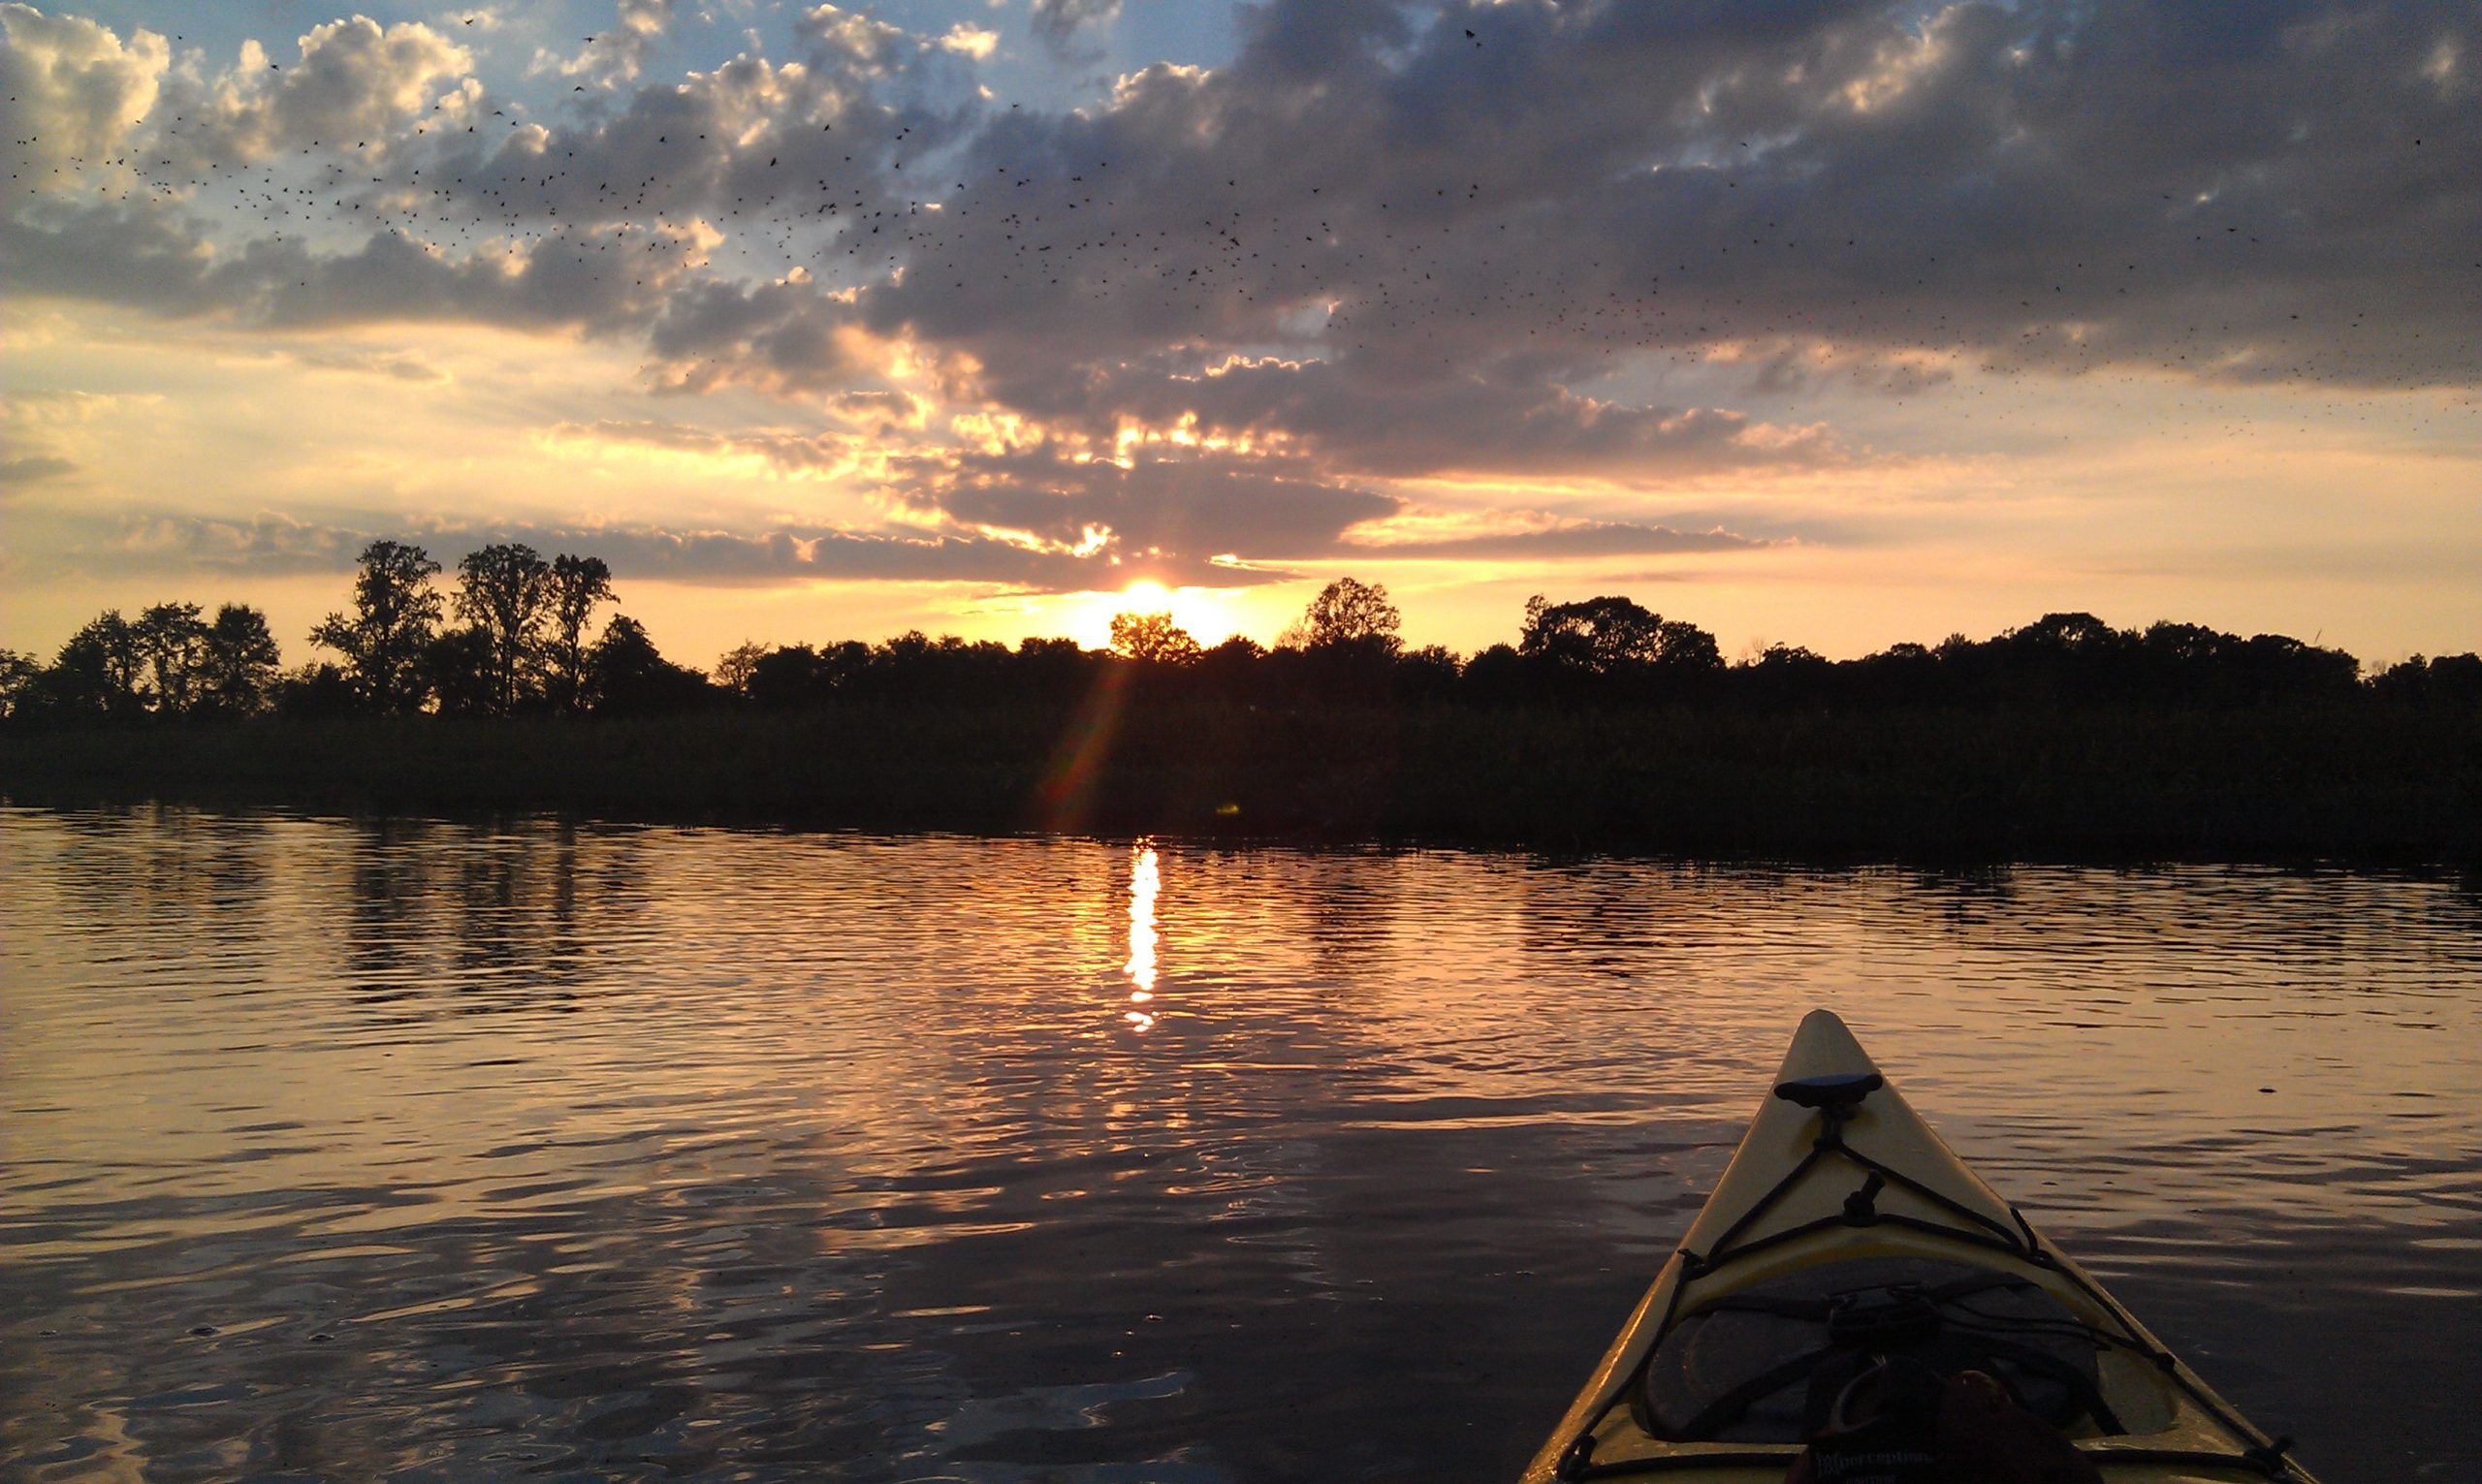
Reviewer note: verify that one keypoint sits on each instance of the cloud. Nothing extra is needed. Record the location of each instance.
(974, 41)
(148, 254)
(1232, 309)
(396, 365)
(53, 407)
(272, 545)
(17, 472)
(2043, 186)
(863, 46)
(75, 89)
(619, 51)
(40, 433)
(354, 83)
(1062, 25)
(1188, 503)
(2046, 186)
(781, 452)
(881, 412)
(1175, 507)
(785, 336)
(1362, 420)
(1567, 539)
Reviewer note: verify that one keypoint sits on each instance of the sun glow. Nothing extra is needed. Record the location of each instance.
(1209, 615)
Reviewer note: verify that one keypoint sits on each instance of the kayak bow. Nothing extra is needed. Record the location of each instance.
(1844, 1227)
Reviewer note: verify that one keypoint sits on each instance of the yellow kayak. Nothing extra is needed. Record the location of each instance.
(1845, 1230)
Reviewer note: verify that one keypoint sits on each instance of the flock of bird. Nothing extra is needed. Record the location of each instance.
(971, 232)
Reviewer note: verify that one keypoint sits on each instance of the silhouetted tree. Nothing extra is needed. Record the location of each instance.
(171, 645)
(236, 676)
(579, 586)
(787, 678)
(1612, 635)
(98, 675)
(505, 591)
(1232, 671)
(396, 613)
(1427, 675)
(316, 690)
(18, 673)
(1051, 670)
(2449, 680)
(1350, 615)
(459, 670)
(734, 666)
(529, 617)
(1683, 647)
(1153, 639)
(849, 665)
(1787, 674)
(626, 677)
(1496, 676)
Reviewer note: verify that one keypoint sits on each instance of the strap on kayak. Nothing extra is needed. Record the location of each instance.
(1835, 1099)
(1904, 1320)
(2088, 1395)
(1818, 1311)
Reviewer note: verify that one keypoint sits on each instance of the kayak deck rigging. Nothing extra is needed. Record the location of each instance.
(1788, 1232)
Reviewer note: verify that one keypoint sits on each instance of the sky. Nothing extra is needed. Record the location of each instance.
(1807, 321)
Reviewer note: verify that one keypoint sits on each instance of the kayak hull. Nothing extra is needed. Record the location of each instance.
(1808, 1187)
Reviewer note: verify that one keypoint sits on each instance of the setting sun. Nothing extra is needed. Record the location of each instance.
(1208, 615)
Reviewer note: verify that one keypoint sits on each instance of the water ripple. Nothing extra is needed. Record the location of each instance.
(428, 1150)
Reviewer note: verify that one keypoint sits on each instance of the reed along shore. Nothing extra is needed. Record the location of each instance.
(2360, 781)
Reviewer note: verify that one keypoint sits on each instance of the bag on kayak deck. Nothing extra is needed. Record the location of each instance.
(1764, 1364)
(1880, 1426)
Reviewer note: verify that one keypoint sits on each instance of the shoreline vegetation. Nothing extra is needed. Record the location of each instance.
(1605, 727)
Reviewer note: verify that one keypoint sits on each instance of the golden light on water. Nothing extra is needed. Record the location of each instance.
(1145, 882)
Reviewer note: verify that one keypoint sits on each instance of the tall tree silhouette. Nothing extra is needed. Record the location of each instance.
(1347, 613)
(17, 675)
(99, 673)
(1153, 639)
(733, 668)
(626, 675)
(238, 672)
(171, 642)
(579, 585)
(396, 611)
(505, 591)
(457, 672)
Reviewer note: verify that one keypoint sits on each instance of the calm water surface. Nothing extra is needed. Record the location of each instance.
(439, 1151)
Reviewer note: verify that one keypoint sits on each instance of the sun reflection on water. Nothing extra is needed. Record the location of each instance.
(1145, 882)
(392, 1108)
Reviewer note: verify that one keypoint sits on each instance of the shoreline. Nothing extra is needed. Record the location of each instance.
(2392, 787)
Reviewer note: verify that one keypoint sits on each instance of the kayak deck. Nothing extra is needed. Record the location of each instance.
(1857, 1176)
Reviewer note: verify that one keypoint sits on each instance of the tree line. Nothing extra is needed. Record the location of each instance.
(518, 634)
(522, 639)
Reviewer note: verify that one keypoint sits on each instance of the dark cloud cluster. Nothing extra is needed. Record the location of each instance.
(2283, 192)
(1161, 508)
(177, 544)
(1067, 26)
(1385, 242)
